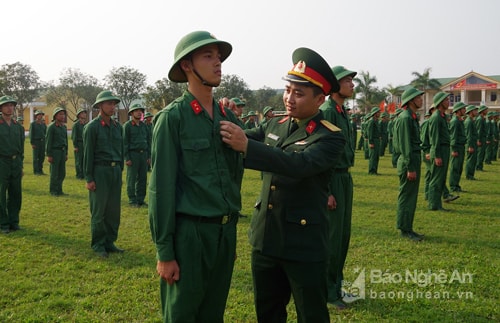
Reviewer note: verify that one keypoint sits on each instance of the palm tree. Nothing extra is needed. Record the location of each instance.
(424, 82)
(364, 89)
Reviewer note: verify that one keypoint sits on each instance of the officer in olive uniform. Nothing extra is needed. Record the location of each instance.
(137, 153)
(194, 190)
(77, 138)
(471, 141)
(407, 144)
(11, 166)
(373, 136)
(102, 168)
(457, 145)
(56, 149)
(340, 186)
(290, 230)
(38, 130)
(482, 133)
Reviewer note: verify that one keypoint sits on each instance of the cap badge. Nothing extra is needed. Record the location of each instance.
(300, 67)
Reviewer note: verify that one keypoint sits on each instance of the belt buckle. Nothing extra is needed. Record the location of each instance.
(113, 164)
(225, 219)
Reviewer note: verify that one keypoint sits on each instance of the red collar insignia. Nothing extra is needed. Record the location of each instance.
(103, 123)
(339, 109)
(222, 109)
(414, 116)
(311, 126)
(196, 106)
(284, 120)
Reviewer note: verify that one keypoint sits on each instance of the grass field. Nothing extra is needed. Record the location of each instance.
(48, 273)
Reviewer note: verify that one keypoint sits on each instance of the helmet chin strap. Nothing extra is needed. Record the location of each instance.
(203, 81)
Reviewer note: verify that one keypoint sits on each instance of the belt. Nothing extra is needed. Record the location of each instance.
(8, 157)
(341, 170)
(60, 148)
(138, 150)
(224, 219)
(107, 163)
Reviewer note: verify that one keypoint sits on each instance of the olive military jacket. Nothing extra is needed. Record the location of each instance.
(56, 138)
(37, 132)
(193, 171)
(439, 135)
(406, 131)
(290, 220)
(373, 132)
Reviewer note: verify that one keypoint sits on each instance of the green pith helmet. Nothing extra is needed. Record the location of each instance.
(409, 94)
(105, 96)
(56, 111)
(482, 108)
(471, 107)
(384, 115)
(190, 43)
(341, 72)
(267, 109)
(80, 111)
(439, 97)
(310, 67)
(251, 114)
(148, 115)
(37, 112)
(457, 106)
(373, 111)
(7, 99)
(238, 102)
(136, 106)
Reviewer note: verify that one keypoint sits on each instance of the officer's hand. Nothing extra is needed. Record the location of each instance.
(332, 203)
(66, 157)
(438, 161)
(168, 270)
(50, 159)
(411, 176)
(454, 153)
(234, 136)
(90, 186)
(128, 163)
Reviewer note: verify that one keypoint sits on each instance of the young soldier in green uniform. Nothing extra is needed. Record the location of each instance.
(457, 144)
(496, 136)
(439, 138)
(102, 168)
(11, 166)
(354, 130)
(407, 142)
(137, 153)
(373, 135)
(384, 134)
(340, 186)
(471, 142)
(490, 137)
(77, 138)
(482, 132)
(56, 149)
(148, 120)
(426, 147)
(38, 130)
(236, 106)
(194, 190)
(290, 231)
(267, 114)
(395, 152)
(252, 120)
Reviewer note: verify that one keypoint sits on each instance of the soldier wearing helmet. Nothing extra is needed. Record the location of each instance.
(77, 138)
(38, 130)
(56, 149)
(194, 190)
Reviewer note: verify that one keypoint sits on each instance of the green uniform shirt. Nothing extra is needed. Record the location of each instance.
(135, 138)
(102, 144)
(482, 130)
(56, 139)
(470, 132)
(424, 136)
(407, 134)
(457, 133)
(373, 132)
(194, 172)
(37, 132)
(439, 135)
(77, 135)
(11, 139)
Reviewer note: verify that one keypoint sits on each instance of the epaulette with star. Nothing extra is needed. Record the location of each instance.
(330, 126)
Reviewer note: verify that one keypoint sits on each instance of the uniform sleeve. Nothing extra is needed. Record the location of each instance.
(31, 133)
(126, 141)
(435, 149)
(89, 142)
(405, 144)
(49, 138)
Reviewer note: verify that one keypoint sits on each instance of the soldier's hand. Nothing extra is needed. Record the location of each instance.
(168, 271)
(33, 146)
(128, 163)
(479, 144)
(50, 159)
(438, 161)
(90, 186)
(332, 203)
(470, 150)
(454, 153)
(76, 149)
(428, 156)
(371, 146)
(411, 176)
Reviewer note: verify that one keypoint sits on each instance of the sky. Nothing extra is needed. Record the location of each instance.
(390, 39)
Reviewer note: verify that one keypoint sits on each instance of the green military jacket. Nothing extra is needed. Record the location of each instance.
(470, 132)
(102, 143)
(424, 137)
(77, 135)
(407, 138)
(136, 138)
(373, 132)
(37, 132)
(457, 133)
(11, 140)
(56, 138)
(482, 130)
(290, 220)
(193, 171)
(439, 135)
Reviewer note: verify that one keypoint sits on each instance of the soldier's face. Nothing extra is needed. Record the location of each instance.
(60, 116)
(206, 62)
(300, 100)
(108, 108)
(7, 109)
(346, 86)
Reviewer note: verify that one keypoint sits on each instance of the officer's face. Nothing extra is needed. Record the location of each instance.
(300, 100)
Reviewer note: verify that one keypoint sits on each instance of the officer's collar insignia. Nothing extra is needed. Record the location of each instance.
(330, 126)
(196, 106)
(273, 136)
(284, 119)
(222, 109)
(311, 126)
(301, 143)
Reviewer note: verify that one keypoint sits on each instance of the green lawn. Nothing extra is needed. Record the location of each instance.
(48, 272)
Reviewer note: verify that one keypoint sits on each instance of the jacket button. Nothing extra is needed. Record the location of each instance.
(270, 206)
(303, 222)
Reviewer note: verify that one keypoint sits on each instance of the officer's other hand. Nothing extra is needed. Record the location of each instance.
(411, 176)
(168, 271)
(234, 136)
(332, 202)
(90, 186)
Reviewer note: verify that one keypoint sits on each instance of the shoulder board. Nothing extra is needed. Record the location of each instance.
(330, 126)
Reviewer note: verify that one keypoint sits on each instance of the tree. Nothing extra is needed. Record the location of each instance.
(365, 91)
(267, 97)
(424, 82)
(127, 83)
(233, 86)
(394, 91)
(162, 93)
(79, 89)
(20, 81)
